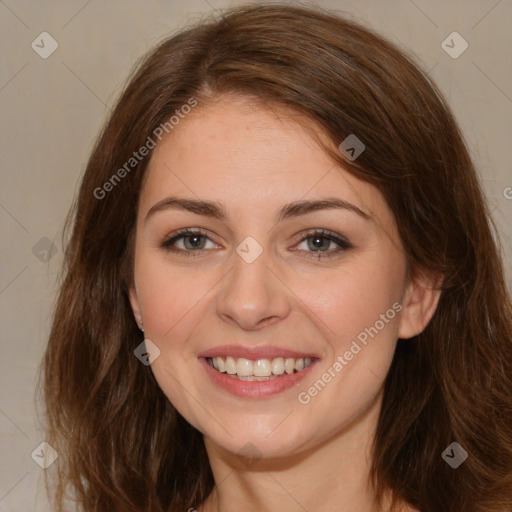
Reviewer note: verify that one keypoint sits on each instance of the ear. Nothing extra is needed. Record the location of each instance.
(419, 304)
(134, 302)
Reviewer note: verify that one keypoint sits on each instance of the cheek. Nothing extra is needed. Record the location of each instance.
(170, 296)
(354, 299)
(171, 300)
(361, 308)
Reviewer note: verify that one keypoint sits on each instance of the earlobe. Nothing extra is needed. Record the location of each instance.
(419, 305)
(134, 302)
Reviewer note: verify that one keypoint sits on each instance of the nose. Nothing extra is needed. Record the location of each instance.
(253, 295)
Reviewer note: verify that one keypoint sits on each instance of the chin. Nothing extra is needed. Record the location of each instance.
(259, 443)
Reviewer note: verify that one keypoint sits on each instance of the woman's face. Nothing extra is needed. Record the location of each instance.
(261, 287)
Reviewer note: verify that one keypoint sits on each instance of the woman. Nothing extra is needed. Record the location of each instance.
(283, 207)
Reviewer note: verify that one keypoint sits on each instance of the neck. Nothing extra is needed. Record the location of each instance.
(334, 475)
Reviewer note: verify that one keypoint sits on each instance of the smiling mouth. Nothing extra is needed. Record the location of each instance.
(260, 369)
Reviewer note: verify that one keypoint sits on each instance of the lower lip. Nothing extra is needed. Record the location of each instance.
(255, 389)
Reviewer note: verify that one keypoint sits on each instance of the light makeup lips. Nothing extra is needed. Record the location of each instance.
(256, 371)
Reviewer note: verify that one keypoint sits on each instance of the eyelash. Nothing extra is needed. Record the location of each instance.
(344, 245)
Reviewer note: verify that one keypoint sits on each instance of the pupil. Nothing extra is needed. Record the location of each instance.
(196, 240)
(317, 239)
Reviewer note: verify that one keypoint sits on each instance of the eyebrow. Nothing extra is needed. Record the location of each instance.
(216, 210)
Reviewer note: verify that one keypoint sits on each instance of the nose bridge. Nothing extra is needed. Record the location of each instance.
(252, 295)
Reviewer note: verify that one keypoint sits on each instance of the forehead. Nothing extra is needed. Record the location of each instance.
(251, 158)
(243, 137)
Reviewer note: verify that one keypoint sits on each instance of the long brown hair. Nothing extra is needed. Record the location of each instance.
(121, 444)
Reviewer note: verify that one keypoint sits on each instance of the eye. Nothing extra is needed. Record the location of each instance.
(318, 240)
(317, 243)
(193, 242)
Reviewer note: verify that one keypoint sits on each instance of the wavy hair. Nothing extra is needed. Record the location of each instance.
(121, 443)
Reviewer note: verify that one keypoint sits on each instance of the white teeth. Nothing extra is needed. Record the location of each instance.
(244, 367)
(289, 365)
(278, 366)
(252, 378)
(230, 365)
(261, 369)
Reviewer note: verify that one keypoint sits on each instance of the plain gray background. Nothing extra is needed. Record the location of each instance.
(53, 109)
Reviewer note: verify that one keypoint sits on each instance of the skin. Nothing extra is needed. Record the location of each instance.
(312, 456)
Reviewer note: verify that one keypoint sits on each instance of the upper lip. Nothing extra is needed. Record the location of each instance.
(262, 352)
